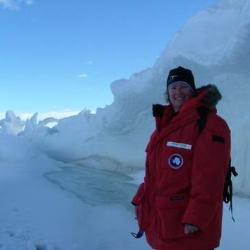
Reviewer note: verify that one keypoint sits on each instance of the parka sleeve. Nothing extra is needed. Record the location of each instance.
(210, 163)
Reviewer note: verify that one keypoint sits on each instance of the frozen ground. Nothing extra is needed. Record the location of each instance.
(47, 207)
(69, 212)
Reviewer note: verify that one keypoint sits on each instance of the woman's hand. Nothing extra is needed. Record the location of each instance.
(190, 229)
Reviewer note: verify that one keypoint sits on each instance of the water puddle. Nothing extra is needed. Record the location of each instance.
(94, 186)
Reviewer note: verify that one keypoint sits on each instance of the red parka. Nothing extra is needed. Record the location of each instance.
(184, 177)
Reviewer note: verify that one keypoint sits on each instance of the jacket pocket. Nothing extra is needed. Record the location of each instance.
(170, 211)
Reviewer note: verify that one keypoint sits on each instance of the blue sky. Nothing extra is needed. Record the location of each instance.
(63, 55)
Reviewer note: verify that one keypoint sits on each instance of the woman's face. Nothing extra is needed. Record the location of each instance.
(179, 93)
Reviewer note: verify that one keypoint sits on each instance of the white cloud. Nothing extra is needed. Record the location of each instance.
(8, 4)
(89, 62)
(14, 4)
(28, 2)
(83, 76)
(25, 116)
(2, 115)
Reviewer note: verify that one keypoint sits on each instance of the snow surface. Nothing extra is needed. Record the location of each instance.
(66, 183)
(50, 205)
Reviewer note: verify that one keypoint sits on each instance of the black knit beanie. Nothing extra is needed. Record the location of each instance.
(181, 74)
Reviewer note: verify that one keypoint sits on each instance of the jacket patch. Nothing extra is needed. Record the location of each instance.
(218, 138)
(175, 161)
(179, 145)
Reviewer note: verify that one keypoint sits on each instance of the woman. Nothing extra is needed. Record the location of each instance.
(179, 205)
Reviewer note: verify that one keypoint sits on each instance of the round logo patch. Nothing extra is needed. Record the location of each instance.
(175, 161)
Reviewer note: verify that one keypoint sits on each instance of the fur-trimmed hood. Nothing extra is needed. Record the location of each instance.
(210, 95)
(207, 96)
